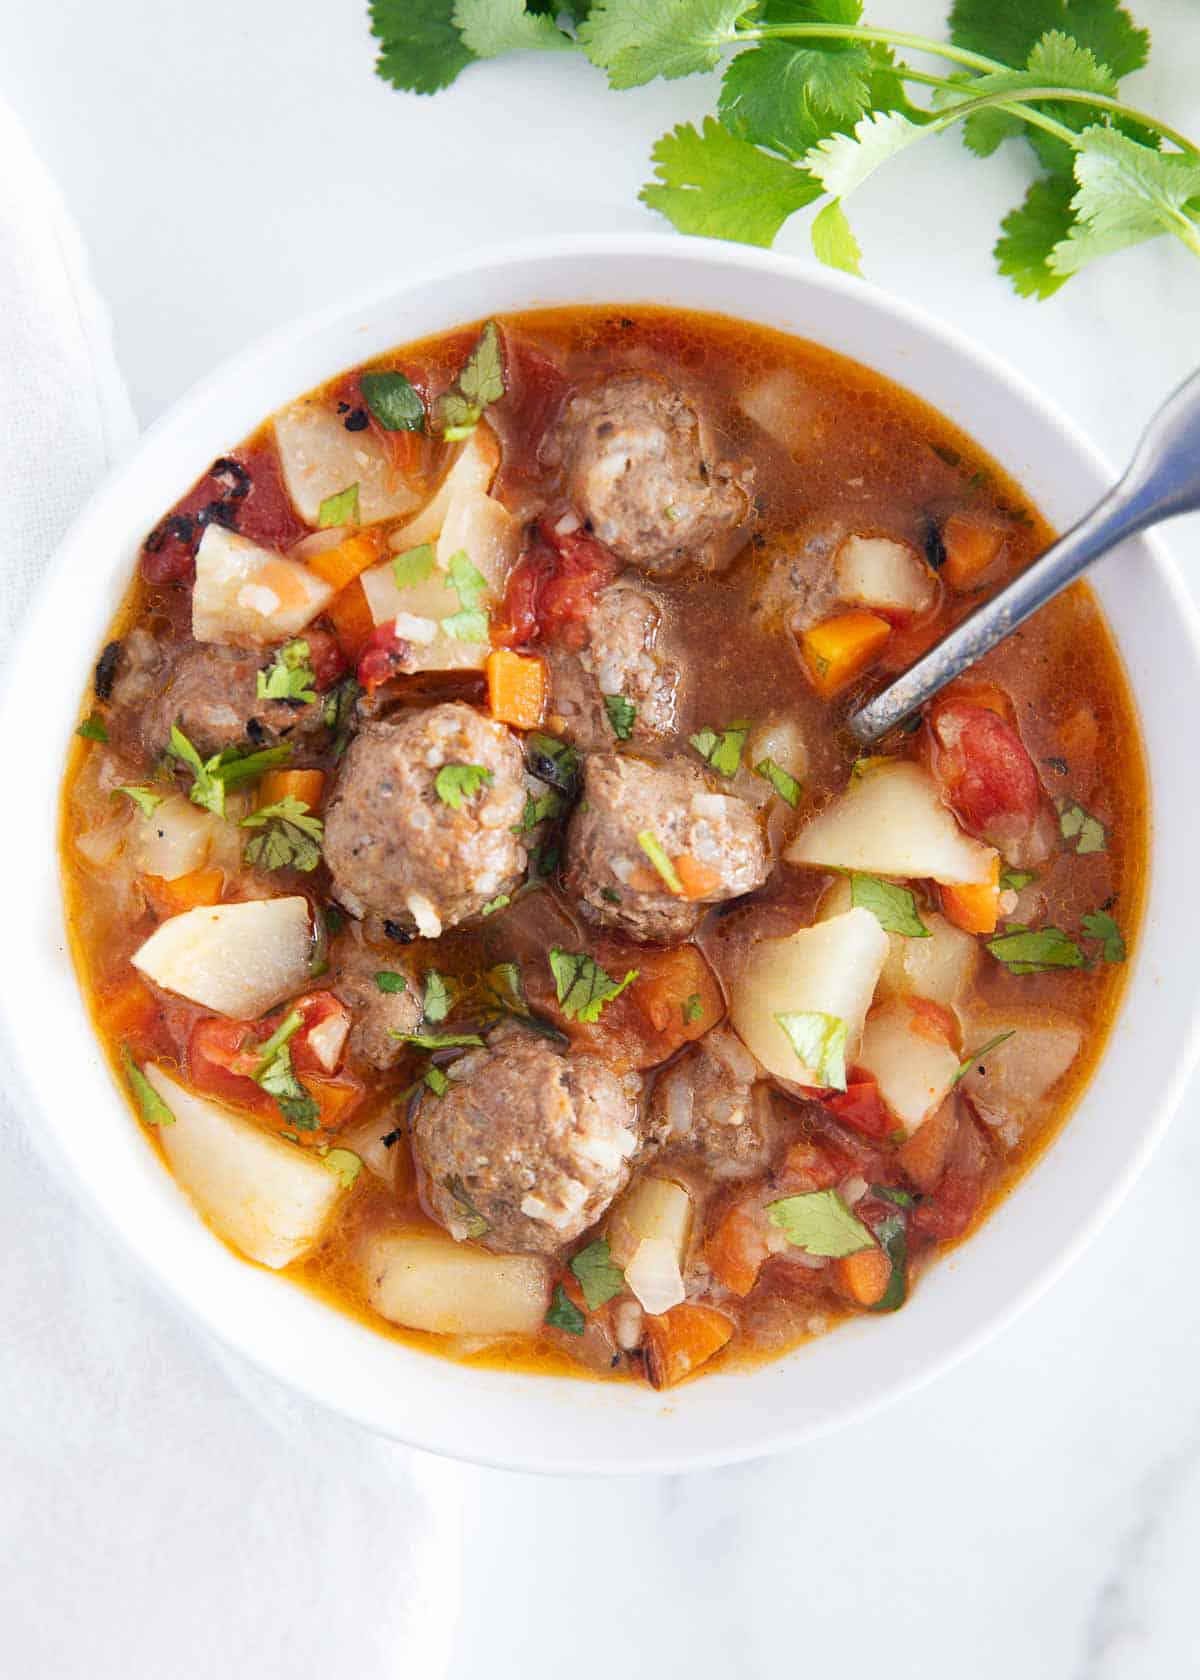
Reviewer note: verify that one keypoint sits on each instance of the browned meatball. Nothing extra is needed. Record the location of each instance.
(528, 1146)
(416, 849)
(705, 1105)
(622, 660)
(211, 692)
(642, 471)
(377, 1013)
(630, 808)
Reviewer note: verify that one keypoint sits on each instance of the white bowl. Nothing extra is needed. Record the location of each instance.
(542, 1423)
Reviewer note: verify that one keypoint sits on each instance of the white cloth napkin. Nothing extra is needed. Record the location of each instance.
(268, 1529)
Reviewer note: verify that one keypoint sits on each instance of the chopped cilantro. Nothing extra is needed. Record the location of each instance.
(437, 997)
(1099, 925)
(820, 1044)
(1030, 951)
(894, 908)
(968, 1062)
(820, 1223)
(1082, 832)
(598, 1275)
(610, 895)
(552, 761)
(93, 728)
(721, 749)
(152, 1108)
(456, 782)
(438, 1041)
(289, 676)
(420, 49)
(692, 1008)
(892, 1237)
(278, 1077)
(564, 1314)
(389, 981)
(146, 799)
(467, 582)
(344, 1164)
(500, 902)
(393, 401)
(469, 625)
(662, 863)
(1016, 880)
(436, 1081)
(464, 1208)
(291, 837)
(787, 787)
(621, 715)
(458, 411)
(211, 777)
(582, 986)
(340, 509)
(414, 566)
(543, 809)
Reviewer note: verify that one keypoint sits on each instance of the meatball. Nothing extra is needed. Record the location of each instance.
(640, 469)
(705, 1104)
(211, 692)
(528, 1146)
(609, 871)
(377, 1014)
(416, 849)
(621, 659)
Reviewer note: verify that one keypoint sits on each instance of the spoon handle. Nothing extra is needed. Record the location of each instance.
(1163, 480)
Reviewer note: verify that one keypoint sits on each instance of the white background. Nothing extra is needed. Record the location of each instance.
(232, 164)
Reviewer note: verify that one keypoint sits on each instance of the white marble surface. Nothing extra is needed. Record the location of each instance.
(1035, 1513)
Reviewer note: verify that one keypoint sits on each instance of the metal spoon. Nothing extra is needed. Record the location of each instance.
(1162, 480)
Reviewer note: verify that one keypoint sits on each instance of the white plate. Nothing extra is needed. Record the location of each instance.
(551, 1424)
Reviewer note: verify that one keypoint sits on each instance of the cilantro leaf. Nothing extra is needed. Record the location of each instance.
(662, 863)
(500, 902)
(1127, 192)
(278, 1078)
(152, 1108)
(339, 509)
(545, 808)
(1010, 31)
(894, 908)
(289, 676)
(421, 49)
(146, 799)
(820, 1223)
(598, 1275)
(93, 728)
(582, 986)
(467, 582)
(621, 715)
(1098, 924)
(1029, 233)
(692, 1008)
(1035, 951)
(207, 790)
(819, 1042)
(554, 762)
(438, 1041)
(637, 40)
(491, 27)
(344, 1164)
(456, 782)
(842, 162)
(465, 1209)
(291, 837)
(437, 998)
(393, 400)
(1015, 880)
(470, 625)
(388, 980)
(1083, 833)
(436, 1081)
(833, 241)
(721, 749)
(787, 787)
(969, 1061)
(563, 1314)
(480, 382)
(788, 96)
(892, 1237)
(414, 566)
(713, 183)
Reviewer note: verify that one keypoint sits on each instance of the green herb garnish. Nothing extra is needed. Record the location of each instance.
(393, 401)
(456, 782)
(894, 908)
(437, 998)
(1099, 925)
(968, 1062)
(93, 728)
(787, 787)
(1082, 832)
(152, 1108)
(582, 986)
(622, 714)
(289, 676)
(820, 1044)
(477, 1225)
(564, 1314)
(661, 862)
(599, 1276)
(820, 1223)
(458, 411)
(721, 749)
(340, 509)
(414, 566)
(389, 981)
(146, 799)
(1034, 951)
(344, 1164)
(291, 837)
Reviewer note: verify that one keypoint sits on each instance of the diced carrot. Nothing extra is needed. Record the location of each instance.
(696, 879)
(923, 1157)
(677, 993)
(308, 786)
(736, 1247)
(971, 545)
(129, 1008)
(334, 1097)
(186, 892)
(975, 909)
(340, 565)
(679, 1341)
(842, 648)
(516, 687)
(350, 616)
(864, 1276)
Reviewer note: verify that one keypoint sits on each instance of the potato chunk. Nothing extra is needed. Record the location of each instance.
(238, 959)
(270, 1199)
(428, 1281)
(878, 572)
(320, 458)
(250, 596)
(913, 1068)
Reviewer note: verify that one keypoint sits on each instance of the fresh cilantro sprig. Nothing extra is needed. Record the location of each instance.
(211, 777)
(290, 836)
(813, 100)
(289, 675)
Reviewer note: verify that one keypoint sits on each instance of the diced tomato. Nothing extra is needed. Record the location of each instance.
(223, 1056)
(212, 1049)
(552, 588)
(986, 776)
(325, 659)
(534, 390)
(243, 491)
(861, 1107)
(959, 1192)
(383, 657)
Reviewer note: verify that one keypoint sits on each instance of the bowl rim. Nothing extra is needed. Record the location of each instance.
(557, 1456)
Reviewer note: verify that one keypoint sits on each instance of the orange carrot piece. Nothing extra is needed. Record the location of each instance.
(736, 1248)
(334, 1097)
(923, 1156)
(342, 564)
(842, 648)
(129, 1008)
(696, 879)
(516, 686)
(679, 1341)
(186, 892)
(677, 993)
(308, 786)
(350, 616)
(864, 1276)
(974, 909)
(971, 545)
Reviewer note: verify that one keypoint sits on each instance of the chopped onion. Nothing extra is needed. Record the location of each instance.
(101, 845)
(628, 1325)
(654, 1276)
(327, 1039)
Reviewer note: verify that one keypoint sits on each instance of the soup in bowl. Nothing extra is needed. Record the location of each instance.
(482, 904)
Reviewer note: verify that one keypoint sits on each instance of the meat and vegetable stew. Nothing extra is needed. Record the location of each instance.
(480, 896)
